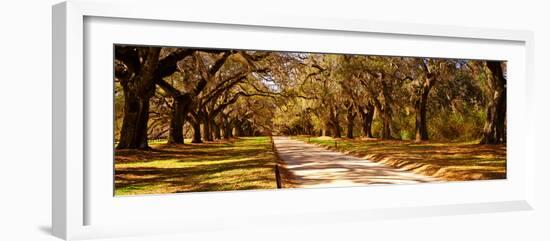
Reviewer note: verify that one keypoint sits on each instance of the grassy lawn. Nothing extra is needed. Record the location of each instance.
(243, 163)
(450, 161)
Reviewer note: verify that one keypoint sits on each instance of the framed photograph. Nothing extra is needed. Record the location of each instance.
(166, 122)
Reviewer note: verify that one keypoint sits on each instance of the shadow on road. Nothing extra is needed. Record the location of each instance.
(313, 166)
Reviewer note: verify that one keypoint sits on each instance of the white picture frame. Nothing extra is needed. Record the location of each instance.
(77, 196)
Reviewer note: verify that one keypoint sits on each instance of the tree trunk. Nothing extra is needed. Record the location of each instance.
(328, 130)
(386, 132)
(367, 115)
(226, 128)
(421, 104)
(196, 132)
(206, 131)
(350, 118)
(217, 130)
(494, 131)
(334, 123)
(243, 129)
(228, 133)
(133, 133)
(137, 92)
(385, 110)
(182, 105)
(237, 130)
(337, 131)
(384, 113)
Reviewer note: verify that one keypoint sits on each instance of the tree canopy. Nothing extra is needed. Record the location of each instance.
(209, 94)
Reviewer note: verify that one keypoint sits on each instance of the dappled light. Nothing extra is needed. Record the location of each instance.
(239, 164)
(317, 167)
(449, 161)
(192, 119)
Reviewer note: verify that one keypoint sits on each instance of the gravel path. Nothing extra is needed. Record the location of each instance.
(314, 166)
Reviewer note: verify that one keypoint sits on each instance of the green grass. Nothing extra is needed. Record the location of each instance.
(157, 141)
(453, 161)
(243, 163)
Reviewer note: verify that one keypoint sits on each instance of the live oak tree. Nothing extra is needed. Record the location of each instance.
(389, 93)
(358, 96)
(379, 79)
(195, 77)
(424, 74)
(216, 95)
(136, 70)
(183, 100)
(492, 78)
(225, 93)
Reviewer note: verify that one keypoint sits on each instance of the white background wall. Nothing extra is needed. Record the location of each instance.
(25, 120)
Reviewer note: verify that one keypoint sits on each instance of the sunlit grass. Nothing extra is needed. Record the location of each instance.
(453, 161)
(244, 163)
